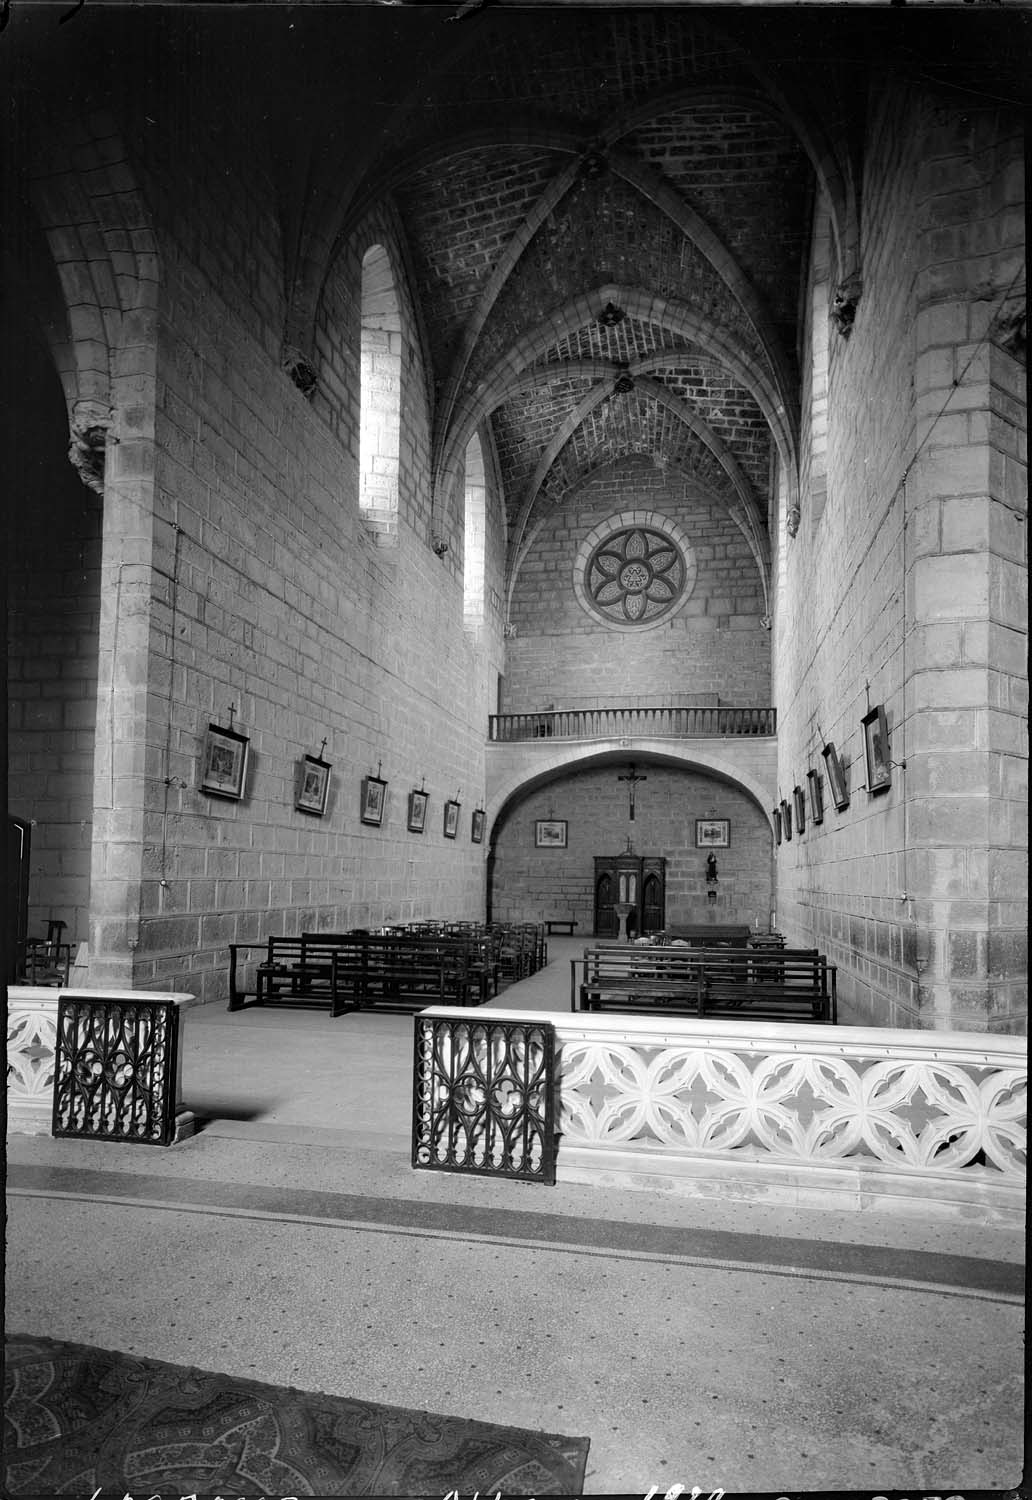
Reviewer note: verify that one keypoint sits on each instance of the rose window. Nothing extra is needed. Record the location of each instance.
(635, 576)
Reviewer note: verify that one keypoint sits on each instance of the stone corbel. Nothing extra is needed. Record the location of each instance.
(795, 515)
(845, 302)
(89, 430)
(1010, 331)
(300, 369)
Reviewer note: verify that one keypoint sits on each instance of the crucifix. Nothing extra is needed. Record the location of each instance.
(632, 779)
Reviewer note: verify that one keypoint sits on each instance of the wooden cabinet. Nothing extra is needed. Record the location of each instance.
(634, 880)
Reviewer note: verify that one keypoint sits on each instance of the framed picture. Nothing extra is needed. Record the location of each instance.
(312, 785)
(477, 825)
(374, 795)
(550, 833)
(417, 803)
(224, 767)
(712, 833)
(786, 818)
(451, 819)
(876, 750)
(816, 784)
(777, 825)
(799, 806)
(836, 777)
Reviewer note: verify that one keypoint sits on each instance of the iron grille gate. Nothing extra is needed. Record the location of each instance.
(116, 1069)
(484, 1097)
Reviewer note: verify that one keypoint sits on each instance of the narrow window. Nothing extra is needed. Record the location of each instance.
(474, 535)
(380, 431)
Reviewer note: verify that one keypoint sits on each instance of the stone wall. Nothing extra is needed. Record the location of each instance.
(715, 647)
(288, 606)
(53, 603)
(908, 590)
(533, 884)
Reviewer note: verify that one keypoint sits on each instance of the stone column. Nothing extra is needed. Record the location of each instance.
(966, 597)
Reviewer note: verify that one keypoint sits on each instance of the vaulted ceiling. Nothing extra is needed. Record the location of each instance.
(607, 218)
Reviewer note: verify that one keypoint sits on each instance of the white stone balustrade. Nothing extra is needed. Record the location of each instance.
(32, 1016)
(31, 1039)
(821, 1116)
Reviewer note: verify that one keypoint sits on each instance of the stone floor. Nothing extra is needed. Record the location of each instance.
(724, 1345)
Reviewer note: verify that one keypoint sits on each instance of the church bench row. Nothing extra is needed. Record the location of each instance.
(451, 963)
(787, 985)
(405, 968)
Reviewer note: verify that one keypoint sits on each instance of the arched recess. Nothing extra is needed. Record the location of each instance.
(584, 791)
(747, 515)
(755, 776)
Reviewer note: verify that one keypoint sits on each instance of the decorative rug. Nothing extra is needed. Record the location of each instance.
(80, 1420)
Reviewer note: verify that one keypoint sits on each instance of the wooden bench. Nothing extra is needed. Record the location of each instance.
(561, 925)
(295, 969)
(790, 985)
(627, 978)
(382, 974)
(708, 934)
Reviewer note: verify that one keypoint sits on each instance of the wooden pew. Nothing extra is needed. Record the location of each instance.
(789, 985)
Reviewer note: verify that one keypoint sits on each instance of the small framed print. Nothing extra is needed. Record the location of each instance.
(786, 818)
(476, 830)
(374, 796)
(836, 777)
(417, 805)
(312, 785)
(451, 819)
(776, 814)
(799, 805)
(550, 833)
(876, 750)
(816, 784)
(712, 833)
(225, 762)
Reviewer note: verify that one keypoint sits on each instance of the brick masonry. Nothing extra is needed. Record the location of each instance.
(920, 553)
(715, 646)
(533, 884)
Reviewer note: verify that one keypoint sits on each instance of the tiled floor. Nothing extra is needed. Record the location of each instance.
(726, 1345)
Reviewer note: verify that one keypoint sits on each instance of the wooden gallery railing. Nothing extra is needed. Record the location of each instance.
(622, 723)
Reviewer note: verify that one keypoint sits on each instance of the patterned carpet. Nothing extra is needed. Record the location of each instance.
(80, 1420)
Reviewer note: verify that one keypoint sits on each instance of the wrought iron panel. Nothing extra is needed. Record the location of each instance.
(484, 1097)
(116, 1069)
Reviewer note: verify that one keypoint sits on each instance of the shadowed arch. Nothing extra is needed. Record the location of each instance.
(687, 756)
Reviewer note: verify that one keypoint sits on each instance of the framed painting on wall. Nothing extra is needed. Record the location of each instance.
(417, 804)
(374, 796)
(776, 814)
(836, 777)
(451, 819)
(550, 833)
(312, 785)
(876, 751)
(816, 785)
(712, 833)
(477, 825)
(224, 766)
(786, 818)
(799, 805)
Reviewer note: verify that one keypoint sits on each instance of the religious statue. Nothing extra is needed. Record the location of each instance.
(711, 867)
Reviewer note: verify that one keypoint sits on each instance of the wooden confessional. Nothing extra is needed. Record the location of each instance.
(636, 880)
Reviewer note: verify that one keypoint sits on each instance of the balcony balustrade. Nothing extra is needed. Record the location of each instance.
(627, 723)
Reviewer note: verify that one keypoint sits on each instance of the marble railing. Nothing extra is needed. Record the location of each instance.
(31, 1040)
(842, 1117)
(112, 1061)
